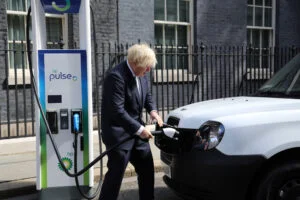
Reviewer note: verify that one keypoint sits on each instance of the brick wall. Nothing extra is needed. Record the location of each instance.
(120, 21)
(136, 21)
(105, 12)
(105, 18)
(287, 23)
(3, 35)
(221, 22)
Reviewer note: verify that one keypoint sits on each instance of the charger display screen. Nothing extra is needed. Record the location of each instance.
(54, 99)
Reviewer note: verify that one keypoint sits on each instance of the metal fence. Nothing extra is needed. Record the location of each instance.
(183, 75)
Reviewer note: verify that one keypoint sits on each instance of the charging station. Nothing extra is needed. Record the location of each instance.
(63, 91)
(64, 85)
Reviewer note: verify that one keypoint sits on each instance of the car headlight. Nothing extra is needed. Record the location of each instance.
(211, 134)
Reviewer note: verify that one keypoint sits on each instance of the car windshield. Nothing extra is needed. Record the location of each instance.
(285, 83)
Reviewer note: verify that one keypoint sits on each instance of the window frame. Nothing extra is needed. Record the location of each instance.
(163, 47)
(15, 76)
(261, 29)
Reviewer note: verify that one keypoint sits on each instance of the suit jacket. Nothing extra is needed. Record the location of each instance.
(122, 106)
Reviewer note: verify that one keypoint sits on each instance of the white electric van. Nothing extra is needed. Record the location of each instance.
(239, 148)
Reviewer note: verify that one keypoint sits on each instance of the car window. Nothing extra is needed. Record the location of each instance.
(285, 83)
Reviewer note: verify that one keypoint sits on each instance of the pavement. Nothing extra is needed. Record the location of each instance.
(18, 165)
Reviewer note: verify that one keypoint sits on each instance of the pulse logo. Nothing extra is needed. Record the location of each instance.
(61, 76)
(62, 9)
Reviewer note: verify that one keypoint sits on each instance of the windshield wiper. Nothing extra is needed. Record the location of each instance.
(270, 93)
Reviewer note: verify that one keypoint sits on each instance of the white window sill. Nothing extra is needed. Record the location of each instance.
(258, 74)
(12, 80)
(177, 76)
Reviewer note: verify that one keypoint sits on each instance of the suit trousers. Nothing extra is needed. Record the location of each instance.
(141, 158)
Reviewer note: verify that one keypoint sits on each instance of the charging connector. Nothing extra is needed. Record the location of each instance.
(76, 121)
(169, 132)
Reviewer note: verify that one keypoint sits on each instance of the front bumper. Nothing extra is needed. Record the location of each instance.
(210, 174)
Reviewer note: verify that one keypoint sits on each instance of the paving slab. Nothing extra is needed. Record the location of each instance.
(18, 165)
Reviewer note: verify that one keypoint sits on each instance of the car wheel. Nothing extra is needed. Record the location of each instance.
(281, 183)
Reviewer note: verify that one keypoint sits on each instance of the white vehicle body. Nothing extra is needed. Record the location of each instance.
(253, 125)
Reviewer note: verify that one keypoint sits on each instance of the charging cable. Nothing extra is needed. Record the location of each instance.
(169, 132)
(82, 193)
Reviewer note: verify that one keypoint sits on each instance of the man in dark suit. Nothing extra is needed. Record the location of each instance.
(125, 94)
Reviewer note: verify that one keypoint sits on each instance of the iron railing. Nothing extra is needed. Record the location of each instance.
(209, 72)
(183, 75)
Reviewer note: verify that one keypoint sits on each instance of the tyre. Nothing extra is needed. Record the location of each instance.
(281, 183)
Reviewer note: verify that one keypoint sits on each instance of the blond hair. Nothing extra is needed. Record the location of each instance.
(142, 55)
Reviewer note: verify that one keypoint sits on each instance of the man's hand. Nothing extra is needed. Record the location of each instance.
(155, 117)
(146, 134)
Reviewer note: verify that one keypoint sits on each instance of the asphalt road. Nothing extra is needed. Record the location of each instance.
(129, 190)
